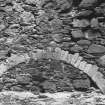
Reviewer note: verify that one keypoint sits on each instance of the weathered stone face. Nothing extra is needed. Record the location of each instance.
(30, 31)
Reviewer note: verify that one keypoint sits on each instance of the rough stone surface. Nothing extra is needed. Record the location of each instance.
(72, 25)
(83, 42)
(23, 79)
(81, 84)
(76, 48)
(101, 61)
(77, 34)
(96, 49)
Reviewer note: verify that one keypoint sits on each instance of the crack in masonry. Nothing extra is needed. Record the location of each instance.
(57, 54)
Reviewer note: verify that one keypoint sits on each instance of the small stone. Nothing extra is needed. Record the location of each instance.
(16, 88)
(65, 56)
(53, 44)
(101, 61)
(57, 37)
(2, 26)
(74, 58)
(80, 23)
(97, 49)
(69, 57)
(49, 85)
(77, 63)
(88, 69)
(91, 35)
(84, 13)
(83, 42)
(35, 89)
(87, 3)
(82, 65)
(81, 84)
(27, 17)
(1, 86)
(23, 79)
(76, 48)
(94, 22)
(87, 55)
(77, 33)
(31, 1)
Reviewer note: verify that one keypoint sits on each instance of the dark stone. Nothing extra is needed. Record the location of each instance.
(16, 88)
(80, 83)
(23, 79)
(1, 86)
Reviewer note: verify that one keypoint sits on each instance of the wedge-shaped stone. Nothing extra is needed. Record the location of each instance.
(69, 57)
(62, 54)
(94, 70)
(100, 81)
(39, 54)
(57, 53)
(91, 70)
(64, 57)
(15, 59)
(27, 57)
(49, 52)
(3, 68)
(82, 65)
(44, 54)
(53, 55)
(74, 58)
(78, 62)
(88, 69)
(33, 55)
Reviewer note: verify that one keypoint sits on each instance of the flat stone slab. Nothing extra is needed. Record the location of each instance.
(94, 48)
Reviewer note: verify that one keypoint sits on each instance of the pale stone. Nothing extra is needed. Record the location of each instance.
(69, 58)
(27, 17)
(82, 65)
(57, 53)
(94, 70)
(21, 95)
(62, 54)
(101, 61)
(65, 56)
(15, 59)
(74, 58)
(94, 22)
(3, 68)
(78, 62)
(88, 69)
(44, 54)
(39, 54)
(33, 55)
(49, 52)
(80, 23)
(100, 81)
(2, 26)
(27, 57)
